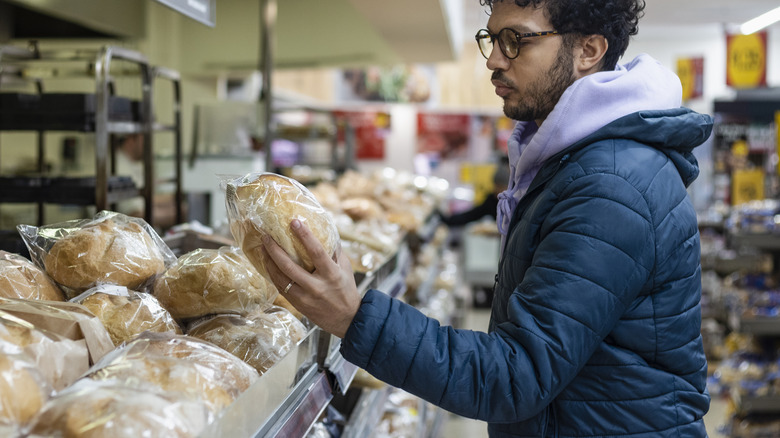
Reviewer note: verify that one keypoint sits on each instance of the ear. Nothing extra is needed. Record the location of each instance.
(591, 53)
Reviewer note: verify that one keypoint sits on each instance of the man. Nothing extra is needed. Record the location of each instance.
(595, 322)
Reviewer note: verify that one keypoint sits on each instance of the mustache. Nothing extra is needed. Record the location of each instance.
(499, 76)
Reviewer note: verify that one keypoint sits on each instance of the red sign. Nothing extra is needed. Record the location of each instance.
(446, 135)
(370, 129)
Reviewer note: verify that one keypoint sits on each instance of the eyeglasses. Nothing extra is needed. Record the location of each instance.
(508, 41)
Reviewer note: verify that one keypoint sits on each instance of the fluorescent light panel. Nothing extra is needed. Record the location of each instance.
(760, 22)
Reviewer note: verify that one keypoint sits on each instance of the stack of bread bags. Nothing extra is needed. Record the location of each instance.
(149, 379)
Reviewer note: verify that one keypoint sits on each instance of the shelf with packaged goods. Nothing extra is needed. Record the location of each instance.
(767, 404)
(762, 241)
(392, 283)
(100, 112)
(285, 401)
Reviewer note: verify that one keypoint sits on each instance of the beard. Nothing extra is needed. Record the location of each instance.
(543, 94)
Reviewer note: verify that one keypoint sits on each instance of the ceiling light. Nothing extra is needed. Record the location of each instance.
(760, 22)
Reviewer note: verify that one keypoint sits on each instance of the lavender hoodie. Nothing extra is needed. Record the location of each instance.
(589, 104)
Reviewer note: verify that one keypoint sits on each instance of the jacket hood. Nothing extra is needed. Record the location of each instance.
(589, 104)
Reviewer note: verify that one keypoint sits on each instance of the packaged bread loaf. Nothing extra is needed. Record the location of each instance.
(20, 278)
(23, 391)
(265, 204)
(125, 313)
(90, 409)
(179, 364)
(111, 248)
(210, 281)
(261, 339)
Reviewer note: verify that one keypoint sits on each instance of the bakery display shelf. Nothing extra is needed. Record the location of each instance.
(285, 401)
(759, 325)
(763, 241)
(424, 233)
(768, 404)
(367, 413)
(65, 191)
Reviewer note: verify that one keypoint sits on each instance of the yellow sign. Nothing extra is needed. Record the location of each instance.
(777, 136)
(746, 60)
(747, 185)
(691, 74)
(481, 177)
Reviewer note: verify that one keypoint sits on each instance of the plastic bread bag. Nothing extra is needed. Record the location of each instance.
(20, 278)
(110, 248)
(126, 313)
(59, 360)
(79, 338)
(179, 364)
(207, 281)
(261, 339)
(265, 204)
(377, 234)
(90, 409)
(23, 392)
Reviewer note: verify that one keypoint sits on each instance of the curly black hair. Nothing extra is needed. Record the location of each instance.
(616, 20)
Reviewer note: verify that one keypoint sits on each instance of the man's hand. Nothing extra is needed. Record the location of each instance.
(328, 296)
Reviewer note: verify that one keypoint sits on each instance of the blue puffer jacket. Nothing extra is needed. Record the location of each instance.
(595, 329)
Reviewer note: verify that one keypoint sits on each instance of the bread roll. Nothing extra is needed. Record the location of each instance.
(110, 251)
(178, 364)
(93, 410)
(266, 204)
(125, 317)
(23, 390)
(281, 301)
(20, 278)
(207, 281)
(261, 340)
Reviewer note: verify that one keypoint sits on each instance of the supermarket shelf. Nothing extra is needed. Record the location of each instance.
(285, 401)
(70, 191)
(757, 405)
(763, 241)
(367, 413)
(763, 326)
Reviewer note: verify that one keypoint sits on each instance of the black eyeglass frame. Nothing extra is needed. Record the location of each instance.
(484, 33)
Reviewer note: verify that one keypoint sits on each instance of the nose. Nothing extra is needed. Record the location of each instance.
(497, 60)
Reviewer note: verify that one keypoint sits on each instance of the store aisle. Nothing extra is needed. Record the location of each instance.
(459, 427)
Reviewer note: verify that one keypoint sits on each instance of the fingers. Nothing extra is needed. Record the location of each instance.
(319, 257)
(282, 269)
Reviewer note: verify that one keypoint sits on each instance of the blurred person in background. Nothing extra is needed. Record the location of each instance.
(489, 206)
(595, 324)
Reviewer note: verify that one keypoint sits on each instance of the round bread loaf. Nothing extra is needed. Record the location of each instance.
(90, 410)
(265, 205)
(261, 340)
(20, 278)
(207, 281)
(23, 390)
(179, 364)
(109, 251)
(127, 317)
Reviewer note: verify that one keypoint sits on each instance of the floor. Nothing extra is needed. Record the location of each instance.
(459, 427)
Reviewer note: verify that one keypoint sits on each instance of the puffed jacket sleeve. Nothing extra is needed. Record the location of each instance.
(595, 254)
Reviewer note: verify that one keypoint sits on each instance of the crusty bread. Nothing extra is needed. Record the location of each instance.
(281, 301)
(266, 205)
(20, 278)
(23, 390)
(127, 317)
(93, 410)
(261, 340)
(108, 251)
(207, 281)
(179, 364)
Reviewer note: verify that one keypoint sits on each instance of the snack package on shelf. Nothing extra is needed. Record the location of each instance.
(377, 234)
(91, 409)
(401, 417)
(126, 313)
(363, 258)
(177, 364)
(110, 248)
(23, 392)
(66, 320)
(58, 360)
(265, 204)
(261, 339)
(210, 281)
(20, 278)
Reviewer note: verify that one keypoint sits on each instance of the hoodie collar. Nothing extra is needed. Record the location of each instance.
(589, 104)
